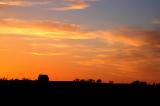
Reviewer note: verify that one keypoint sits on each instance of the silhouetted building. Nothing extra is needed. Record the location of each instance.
(43, 78)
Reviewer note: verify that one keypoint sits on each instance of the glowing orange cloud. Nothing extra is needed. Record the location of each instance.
(22, 3)
(53, 29)
(66, 51)
(62, 5)
(75, 5)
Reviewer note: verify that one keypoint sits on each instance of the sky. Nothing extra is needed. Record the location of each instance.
(112, 40)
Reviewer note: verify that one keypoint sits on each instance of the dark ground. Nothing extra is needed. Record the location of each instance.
(63, 92)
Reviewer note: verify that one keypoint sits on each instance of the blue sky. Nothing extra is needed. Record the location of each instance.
(100, 14)
(113, 13)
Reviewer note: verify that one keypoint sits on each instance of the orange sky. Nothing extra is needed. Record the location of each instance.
(66, 50)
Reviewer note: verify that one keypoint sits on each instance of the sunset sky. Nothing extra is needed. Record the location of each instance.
(116, 40)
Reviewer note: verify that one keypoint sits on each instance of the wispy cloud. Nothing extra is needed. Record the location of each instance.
(46, 54)
(23, 3)
(52, 45)
(73, 5)
(131, 50)
(61, 5)
(156, 21)
(48, 28)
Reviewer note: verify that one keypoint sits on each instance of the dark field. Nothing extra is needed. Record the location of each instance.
(72, 91)
(76, 89)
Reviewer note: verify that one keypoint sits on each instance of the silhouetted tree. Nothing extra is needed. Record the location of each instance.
(16, 79)
(77, 80)
(26, 79)
(83, 80)
(111, 82)
(99, 81)
(138, 83)
(3, 79)
(91, 80)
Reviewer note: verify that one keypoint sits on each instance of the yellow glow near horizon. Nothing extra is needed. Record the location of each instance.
(28, 48)
(41, 32)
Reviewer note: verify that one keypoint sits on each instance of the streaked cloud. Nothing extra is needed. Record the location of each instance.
(52, 45)
(132, 51)
(156, 21)
(46, 54)
(23, 3)
(74, 5)
(61, 5)
(81, 38)
(53, 29)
